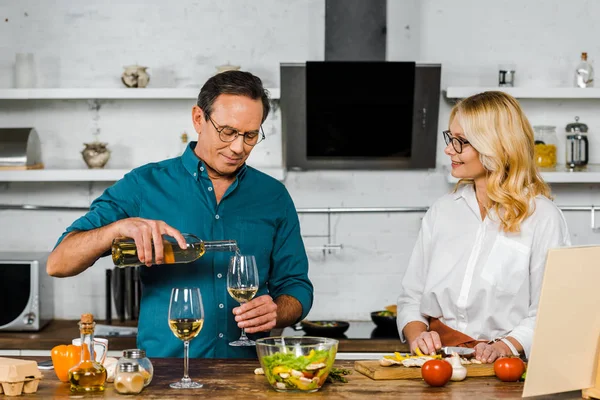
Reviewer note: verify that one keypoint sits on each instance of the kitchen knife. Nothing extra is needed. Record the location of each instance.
(461, 351)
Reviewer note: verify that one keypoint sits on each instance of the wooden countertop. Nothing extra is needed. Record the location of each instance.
(235, 379)
(63, 331)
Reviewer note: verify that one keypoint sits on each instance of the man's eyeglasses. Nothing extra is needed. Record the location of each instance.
(227, 134)
(457, 143)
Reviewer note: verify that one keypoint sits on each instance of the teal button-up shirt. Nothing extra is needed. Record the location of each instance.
(256, 211)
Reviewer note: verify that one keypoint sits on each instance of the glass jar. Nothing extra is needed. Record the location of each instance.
(546, 142)
(138, 357)
(129, 379)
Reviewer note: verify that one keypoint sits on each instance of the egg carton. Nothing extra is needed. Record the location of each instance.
(18, 376)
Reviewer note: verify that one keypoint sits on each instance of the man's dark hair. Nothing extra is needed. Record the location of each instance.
(233, 82)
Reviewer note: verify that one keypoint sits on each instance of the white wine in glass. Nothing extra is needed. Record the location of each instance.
(242, 285)
(186, 318)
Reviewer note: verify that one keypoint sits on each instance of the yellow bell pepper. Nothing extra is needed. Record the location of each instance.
(64, 357)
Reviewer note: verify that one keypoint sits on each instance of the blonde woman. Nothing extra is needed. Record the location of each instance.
(475, 273)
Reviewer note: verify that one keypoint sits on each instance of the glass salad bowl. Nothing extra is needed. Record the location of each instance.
(296, 363)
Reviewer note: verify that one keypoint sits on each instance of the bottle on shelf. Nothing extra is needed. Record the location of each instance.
(584, 73)
(89, 375)
(124, 250)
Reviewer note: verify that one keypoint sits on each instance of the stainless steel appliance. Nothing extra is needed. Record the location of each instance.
(20, 148)
(26, 291)
(577, 146)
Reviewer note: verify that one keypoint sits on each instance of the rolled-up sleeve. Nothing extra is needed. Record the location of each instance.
(413, 282)
(289, 263)
(552, 233)
(119, 201)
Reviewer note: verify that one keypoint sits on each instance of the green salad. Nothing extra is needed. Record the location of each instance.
(286, 371)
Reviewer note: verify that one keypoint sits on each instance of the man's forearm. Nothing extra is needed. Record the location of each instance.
(79, 250)
(289, 311)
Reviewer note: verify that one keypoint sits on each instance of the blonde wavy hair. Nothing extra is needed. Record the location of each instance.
(495, 125)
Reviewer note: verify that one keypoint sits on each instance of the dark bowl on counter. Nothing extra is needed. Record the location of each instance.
(384, 321)
(331, 329)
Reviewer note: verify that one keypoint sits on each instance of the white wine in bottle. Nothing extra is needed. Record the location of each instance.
(124, 250)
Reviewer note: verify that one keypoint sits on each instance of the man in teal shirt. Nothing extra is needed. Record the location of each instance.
(210, 192)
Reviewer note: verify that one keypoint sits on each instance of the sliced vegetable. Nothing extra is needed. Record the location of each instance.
(304, 372)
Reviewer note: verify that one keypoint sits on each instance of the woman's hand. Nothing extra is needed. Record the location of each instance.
(488, 353)
(429, 342)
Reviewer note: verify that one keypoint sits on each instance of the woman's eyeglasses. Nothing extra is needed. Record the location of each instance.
(457, 143)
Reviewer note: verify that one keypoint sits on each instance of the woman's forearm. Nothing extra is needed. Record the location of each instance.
(413, 329)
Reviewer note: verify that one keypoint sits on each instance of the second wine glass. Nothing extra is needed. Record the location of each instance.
(186, 318)
(242, 285)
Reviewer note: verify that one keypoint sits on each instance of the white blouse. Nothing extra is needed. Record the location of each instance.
(475, 277)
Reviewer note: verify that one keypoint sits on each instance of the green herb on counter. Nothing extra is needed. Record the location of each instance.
(337, 375)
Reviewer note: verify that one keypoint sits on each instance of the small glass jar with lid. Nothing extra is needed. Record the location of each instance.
(138, 357)
(129, 379)
(546, 142)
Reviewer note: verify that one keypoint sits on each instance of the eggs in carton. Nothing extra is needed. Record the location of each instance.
(18, 376)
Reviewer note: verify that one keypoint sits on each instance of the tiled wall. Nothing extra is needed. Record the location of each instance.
(86, 46)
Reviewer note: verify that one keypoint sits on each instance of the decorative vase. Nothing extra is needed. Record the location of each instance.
(95, 154)
(135, 76)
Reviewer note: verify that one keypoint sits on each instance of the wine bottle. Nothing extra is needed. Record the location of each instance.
(584, 73)
(124, 250)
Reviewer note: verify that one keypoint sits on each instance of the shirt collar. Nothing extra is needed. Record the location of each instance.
(464, 191)
(195, 166)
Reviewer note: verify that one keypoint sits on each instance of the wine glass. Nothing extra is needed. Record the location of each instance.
(242, 285)
(186, 318)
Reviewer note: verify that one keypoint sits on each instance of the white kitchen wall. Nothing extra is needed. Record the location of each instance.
(87, 45)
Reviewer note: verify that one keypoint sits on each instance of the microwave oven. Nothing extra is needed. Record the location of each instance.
(26, 291)
(359, 115)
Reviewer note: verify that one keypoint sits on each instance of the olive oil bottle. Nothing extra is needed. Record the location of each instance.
(89, 375)
(124, 250)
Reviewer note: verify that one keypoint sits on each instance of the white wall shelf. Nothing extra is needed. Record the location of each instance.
(103, 93)
(459, 92)
(90, 175)
(590, 175)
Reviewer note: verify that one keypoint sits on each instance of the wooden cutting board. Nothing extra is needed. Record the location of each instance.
(373, 370)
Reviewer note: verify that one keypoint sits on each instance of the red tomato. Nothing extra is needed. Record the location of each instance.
(509, 369)
(436, 372)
